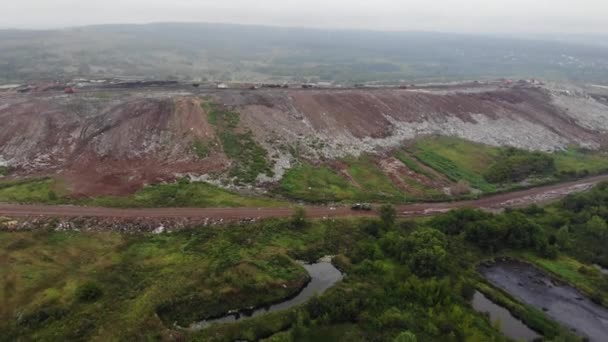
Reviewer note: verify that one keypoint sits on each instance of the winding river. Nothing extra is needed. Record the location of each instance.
(323, 276)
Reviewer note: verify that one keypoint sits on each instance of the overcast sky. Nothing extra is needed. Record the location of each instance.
(482, 16)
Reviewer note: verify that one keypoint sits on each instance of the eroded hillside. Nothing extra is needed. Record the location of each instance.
(107, 141)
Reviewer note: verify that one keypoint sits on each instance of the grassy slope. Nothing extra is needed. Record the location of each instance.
(576, 161)
(457, 159)
(196, 194)
(32, 191)
(376, 185)
(323, 184)
(316, 184)
(460, 159)
(180, 194)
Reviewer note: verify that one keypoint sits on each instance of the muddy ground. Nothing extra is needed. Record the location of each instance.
(560, 301)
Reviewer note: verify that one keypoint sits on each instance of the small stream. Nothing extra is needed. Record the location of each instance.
(559, 301)
(323, 276)
(508, 324)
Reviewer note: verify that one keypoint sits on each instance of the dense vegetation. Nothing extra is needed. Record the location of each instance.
(516, 165)
(404, 279)
(108, 286)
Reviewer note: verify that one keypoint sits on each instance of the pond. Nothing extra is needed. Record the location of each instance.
(558, 300)
(508, 324)
(323, 276)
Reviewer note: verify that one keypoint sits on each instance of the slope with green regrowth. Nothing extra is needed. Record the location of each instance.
(488, 167)
(38, 190)
(376, 184)
(457, 159)
(184, 194)
(249, 158)
(179, 194)
(319, 184)
(316, 184)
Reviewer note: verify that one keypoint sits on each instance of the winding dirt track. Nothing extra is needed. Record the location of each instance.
(538, 195)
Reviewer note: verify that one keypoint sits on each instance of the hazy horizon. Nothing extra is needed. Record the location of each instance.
(468, 16)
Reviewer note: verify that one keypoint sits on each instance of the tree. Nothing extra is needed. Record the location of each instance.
(427, 252)
(597, 227)
(455, 221)
(406, 336)
(388, 215)
(562, 237)
(298, 218)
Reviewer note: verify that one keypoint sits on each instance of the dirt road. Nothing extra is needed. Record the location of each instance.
(539, 195)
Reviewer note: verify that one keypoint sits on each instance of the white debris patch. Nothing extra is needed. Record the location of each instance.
(497, 132)
(587, 112)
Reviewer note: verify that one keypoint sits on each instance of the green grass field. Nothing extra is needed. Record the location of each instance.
(573, 160)
(184, 194)
(413, 164)
(457, 159)
(44, 190)
(179, 194)
(375, 184)
(317, 184)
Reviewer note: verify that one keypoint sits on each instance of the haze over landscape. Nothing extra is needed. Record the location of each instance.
(472, 16)
(285, 171)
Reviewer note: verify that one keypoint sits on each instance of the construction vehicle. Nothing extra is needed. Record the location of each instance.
(361, 206)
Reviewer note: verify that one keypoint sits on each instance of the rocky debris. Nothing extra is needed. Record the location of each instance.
(111, 141)
(117, 225)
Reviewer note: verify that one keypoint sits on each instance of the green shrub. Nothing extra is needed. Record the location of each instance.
(516, 165)
(298, 218)
(88, 292)
(201, 149)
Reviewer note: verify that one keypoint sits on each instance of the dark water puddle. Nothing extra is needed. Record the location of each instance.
(323, 276)
(559, 301)
(508, 324)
